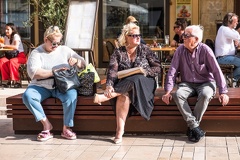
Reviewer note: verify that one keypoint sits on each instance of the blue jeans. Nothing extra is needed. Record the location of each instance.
(231, 60)
(204, 93)
(34, 95)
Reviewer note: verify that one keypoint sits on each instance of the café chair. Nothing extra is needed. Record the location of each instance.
(110, 48)
(227, 69)
(28, 47)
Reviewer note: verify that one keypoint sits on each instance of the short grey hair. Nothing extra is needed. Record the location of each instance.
(125, 31)
(196, 30)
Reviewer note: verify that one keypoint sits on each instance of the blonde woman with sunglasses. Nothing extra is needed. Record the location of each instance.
(40, 64)
(134, 93)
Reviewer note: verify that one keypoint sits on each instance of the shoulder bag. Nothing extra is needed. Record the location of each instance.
(87, 81)
(11, 54)
(66, 79)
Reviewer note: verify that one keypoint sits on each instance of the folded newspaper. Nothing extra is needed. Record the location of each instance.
(129, 72)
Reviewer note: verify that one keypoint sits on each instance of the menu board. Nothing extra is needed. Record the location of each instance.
(81, 24)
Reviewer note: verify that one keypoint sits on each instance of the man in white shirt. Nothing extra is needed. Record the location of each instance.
(227, 40)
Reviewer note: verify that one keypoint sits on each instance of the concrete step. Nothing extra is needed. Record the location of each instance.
(8, 92)
(3, 111)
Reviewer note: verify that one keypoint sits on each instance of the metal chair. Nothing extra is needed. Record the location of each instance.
(227, 69)
(28, 47)
(110, 48)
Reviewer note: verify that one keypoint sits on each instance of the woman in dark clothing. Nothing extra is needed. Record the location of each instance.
(134, 93)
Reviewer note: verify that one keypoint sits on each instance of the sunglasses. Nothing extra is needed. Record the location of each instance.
(184, 35)
(135, 35)
(55, 44)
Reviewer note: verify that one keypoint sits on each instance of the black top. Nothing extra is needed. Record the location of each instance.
(178, 39)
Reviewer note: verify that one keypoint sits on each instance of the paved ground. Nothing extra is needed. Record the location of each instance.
(92, 147)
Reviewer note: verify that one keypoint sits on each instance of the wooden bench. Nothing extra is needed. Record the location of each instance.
(92, 118)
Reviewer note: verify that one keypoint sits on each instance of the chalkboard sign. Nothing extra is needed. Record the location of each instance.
(81, 24)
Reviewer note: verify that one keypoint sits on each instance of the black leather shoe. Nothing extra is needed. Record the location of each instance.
(198, 134)
(17, 85)
(7, 85)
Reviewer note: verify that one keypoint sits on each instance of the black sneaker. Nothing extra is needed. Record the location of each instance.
(190, 135)
(198, 134)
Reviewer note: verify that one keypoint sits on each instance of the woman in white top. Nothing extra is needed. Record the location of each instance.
(9, 66)
(39, 67)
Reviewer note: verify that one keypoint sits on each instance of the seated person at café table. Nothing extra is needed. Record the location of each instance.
(9, 64)
(200, 73)
(227, 40)
(134, 93)
(179, 27)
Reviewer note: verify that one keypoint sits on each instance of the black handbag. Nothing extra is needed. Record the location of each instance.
(11, 54)
(66, 79)
(86, 84)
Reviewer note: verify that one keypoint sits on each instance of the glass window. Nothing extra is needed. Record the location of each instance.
(15, 11)
(149, 14)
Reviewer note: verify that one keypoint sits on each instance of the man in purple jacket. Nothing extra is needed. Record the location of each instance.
(200, 74)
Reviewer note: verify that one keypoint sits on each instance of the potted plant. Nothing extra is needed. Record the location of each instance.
(49, 12)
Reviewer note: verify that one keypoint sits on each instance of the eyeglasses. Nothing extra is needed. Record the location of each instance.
(135, 35)
(184, 35)
(54, 44)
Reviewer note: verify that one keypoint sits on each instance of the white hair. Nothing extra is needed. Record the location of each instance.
(196, 30)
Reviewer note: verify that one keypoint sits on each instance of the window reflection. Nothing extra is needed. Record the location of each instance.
(15, 11)
(149, 13)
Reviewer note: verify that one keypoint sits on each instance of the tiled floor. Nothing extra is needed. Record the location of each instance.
(92, 147)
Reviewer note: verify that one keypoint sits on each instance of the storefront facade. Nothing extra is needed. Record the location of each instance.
(156, 19)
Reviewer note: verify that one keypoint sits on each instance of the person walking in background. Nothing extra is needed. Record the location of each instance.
(9, 65)
(178, 28)
(134, 93)
(40, 64)
(227, 40)
(200, 73)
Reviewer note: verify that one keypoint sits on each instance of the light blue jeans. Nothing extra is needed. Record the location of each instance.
(34, 95)
(204, 93)
(231, 60)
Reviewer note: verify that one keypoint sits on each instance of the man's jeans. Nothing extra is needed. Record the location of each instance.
(231, 60)
(34, 95)
(204, 93)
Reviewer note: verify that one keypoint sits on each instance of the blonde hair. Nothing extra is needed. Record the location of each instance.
(52, 31)
(125, 31)
(131, 19)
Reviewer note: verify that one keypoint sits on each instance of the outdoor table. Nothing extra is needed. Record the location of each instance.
(5, 49)
(2, 54)
(162, 50)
